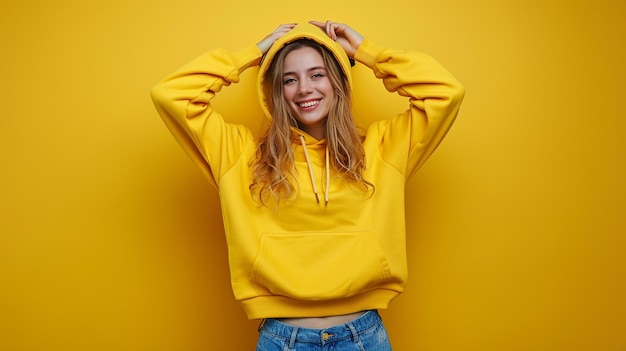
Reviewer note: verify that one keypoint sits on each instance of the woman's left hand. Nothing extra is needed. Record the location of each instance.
(345, 36)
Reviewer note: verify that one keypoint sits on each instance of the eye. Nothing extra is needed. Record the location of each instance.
(288, 81)
(318, 75)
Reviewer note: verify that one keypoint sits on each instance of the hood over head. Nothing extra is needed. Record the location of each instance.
(301, 31)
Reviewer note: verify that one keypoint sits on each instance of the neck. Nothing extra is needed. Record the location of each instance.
(318, 132)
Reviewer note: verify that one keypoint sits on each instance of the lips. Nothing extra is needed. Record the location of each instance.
(308, 103)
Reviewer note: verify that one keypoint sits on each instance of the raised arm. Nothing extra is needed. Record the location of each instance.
(434, 96)
(183, 99)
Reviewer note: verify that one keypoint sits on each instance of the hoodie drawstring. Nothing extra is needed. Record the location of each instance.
(327, 177)
(308, 163)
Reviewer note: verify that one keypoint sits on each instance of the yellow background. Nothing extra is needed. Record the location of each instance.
(111, 240)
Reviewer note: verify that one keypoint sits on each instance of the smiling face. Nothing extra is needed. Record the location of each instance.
(308, 90)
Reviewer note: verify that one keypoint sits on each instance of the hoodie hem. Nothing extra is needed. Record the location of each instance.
(284, 307)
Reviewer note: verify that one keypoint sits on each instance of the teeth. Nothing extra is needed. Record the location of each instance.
(309, 103)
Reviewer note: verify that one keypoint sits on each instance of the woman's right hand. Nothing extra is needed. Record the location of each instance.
(265, 44)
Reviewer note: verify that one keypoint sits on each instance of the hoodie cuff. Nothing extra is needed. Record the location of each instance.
(368, 52)
(248, 57)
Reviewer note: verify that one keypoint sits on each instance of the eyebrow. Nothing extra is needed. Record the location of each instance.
(308, 70)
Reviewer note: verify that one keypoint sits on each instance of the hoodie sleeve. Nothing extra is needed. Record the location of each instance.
(434, 100)
(183, 100)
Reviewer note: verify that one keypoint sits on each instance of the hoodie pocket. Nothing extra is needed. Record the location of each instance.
(318, 266)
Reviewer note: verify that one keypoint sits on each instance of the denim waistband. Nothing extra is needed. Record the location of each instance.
(350, 330)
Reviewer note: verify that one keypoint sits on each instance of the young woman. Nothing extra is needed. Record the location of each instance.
(313, 210)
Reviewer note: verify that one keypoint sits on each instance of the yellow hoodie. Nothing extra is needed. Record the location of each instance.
(304, 258)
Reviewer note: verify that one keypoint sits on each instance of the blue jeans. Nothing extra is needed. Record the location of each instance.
(365, 333)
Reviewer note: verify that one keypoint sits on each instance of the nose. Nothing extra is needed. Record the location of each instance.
(304, 87)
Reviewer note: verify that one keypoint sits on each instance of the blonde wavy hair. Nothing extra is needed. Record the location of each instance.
(273, 167)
